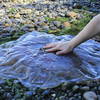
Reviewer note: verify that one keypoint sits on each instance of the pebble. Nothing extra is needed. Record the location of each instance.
(54, 95)
(57, 23)
(85, 88)
(76, 87)
(62, 98)
(46, 28)
(99, 88)
(98, 97)
(61, 14)
(2, 12)
(90, 95)
(29, 93)
(46, 92)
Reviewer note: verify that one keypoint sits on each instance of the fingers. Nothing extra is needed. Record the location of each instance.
(62, 52)
(51, 50)
(49, 45)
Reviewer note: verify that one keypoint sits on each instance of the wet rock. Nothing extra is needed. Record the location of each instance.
(54, 95)
(90, 95)
(85, 88)
(98, 97)
(62, 98)
(46, 92)
(29, 94)
(64, 86)
(99, 88)
(26, 51)
(71, 98)
(76, 87)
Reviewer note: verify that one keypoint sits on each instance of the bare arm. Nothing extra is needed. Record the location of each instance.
(91, 29)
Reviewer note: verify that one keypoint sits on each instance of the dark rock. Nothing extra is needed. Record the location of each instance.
(29, 94)
(4, 35)
(99, 88)
(98, 97)
(46, 92)
(62, 98)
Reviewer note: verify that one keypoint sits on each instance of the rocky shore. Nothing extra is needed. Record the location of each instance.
(53, 18)
(14, 90)
(48, 16)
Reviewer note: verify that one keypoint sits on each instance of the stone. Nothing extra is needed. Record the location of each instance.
(98, 97)
(90, 95)
(64, 86)
(53, 31)
(2, 12)
(53, 27)
(54, 95)
(62, 98)
(57, 23)
(72, 14)
(67, 24)
(76, 87)
(37, 13)
(71, 98)
(85, 88)
(17, 15)
(99, 88)
(25, 60)
(46, 92)
(6, 30)
(46, 28)
(61, 14)
(29, 93)
(25, 11)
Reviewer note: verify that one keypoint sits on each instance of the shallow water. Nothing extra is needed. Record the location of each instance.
(25, 60)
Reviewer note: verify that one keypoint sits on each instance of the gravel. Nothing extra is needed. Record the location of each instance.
(13, 90)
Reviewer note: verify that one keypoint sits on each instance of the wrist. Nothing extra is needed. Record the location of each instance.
(70, 45)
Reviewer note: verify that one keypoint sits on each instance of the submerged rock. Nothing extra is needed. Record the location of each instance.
(25, 60)
(90, 95)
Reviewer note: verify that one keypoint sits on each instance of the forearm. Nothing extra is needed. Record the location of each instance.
(91, 29)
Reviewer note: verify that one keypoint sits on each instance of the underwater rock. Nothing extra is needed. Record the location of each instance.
(25, 60)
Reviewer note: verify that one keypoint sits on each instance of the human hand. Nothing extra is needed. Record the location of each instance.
(59, 47)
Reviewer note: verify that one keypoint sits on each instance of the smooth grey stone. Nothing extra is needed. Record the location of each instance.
(26, 60)
(90, 95)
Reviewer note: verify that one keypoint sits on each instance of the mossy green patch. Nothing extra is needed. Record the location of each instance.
(76, 25)
(12, 10)
(61, 19)
(13, 37)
